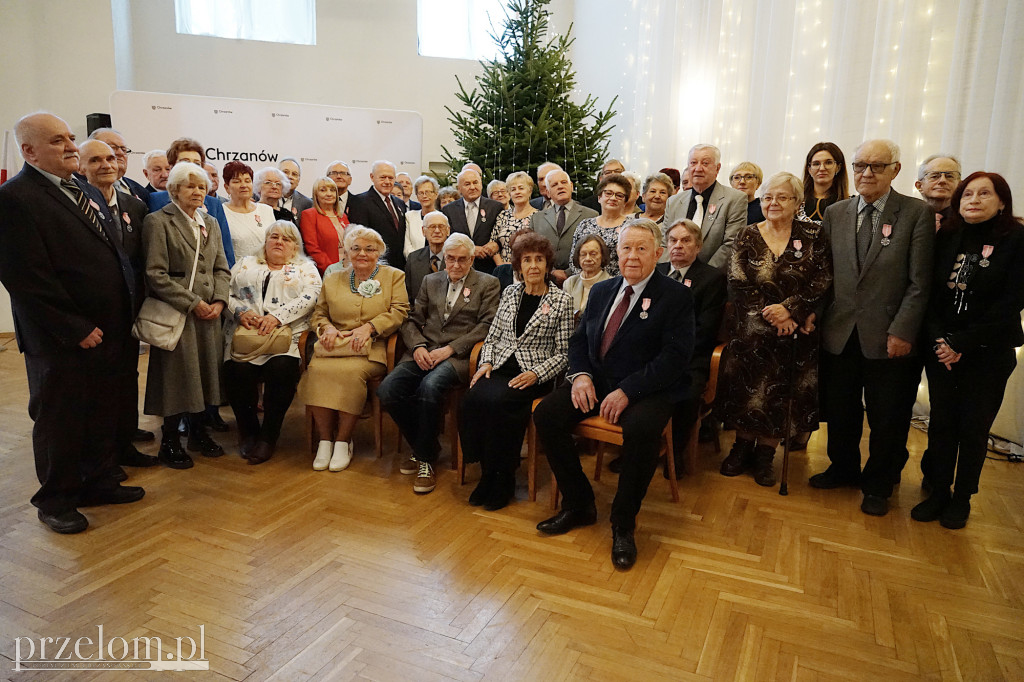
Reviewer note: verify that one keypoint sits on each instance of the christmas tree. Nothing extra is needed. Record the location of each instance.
(523, 113)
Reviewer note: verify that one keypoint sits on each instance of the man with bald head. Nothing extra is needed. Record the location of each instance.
(475, 215)
(72, 294)
(558, 222)
(882, 258)
(380, 211)
(116, 142)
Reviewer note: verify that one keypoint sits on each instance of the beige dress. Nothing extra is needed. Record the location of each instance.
(340, 383)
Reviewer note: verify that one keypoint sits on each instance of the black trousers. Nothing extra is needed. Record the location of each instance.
(128, 420)
(280, 376)
(642, 423)
(889, 389)
(493, 421)
(964, 402)
(76, 407)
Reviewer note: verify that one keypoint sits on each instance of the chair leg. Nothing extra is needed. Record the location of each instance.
(461, 464)
(598, 459)
(691, 448)
(531, 460)
(378, 426)
(453, 435)
(670, 462)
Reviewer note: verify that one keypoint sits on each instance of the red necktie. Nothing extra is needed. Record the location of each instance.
(391, 208)
(615, 321)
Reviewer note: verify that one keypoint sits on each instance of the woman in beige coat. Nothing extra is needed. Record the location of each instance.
(182, 382)
(359, 305)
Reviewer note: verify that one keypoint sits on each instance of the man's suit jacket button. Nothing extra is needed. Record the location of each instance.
(202, 257)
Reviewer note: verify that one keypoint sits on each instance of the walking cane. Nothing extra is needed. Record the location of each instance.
(784, 486)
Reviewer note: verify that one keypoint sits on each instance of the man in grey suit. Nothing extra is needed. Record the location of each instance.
(430, 258)
(295, 201)
(558, 223)
(882, 256)
(453, 311)
(720, 211)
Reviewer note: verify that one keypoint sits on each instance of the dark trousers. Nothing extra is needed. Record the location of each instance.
(683, 417)
(642, 423)
(889, 389)
(493, 421)
(73, 437)
(280, 376)
(415, 400)
(129, 394)
(964, 402)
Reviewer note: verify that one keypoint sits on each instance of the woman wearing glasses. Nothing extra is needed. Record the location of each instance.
(779, 270)
(747, 177)
(273, 184)
(612, 194)
(825, 182)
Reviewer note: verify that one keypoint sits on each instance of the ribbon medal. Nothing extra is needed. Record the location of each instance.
(644, 305)
(711, 209)
(545, 309)
(465, 295)
(886, 233)
(688, 282)
(95, 206)
(127, 221)
(797, 248)
(986, 251)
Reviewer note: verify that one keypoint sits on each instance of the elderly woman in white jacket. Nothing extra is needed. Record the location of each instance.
(277, 287)
(525, 350)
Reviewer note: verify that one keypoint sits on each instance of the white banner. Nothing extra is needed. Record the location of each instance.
(261, 133)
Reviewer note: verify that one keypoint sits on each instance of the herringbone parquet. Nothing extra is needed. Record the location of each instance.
(297, 574)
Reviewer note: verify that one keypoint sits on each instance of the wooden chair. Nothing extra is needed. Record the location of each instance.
(371, 410)
(703, 412)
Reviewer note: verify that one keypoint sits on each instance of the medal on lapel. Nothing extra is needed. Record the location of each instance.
(465, 295)
(986, 251)
(886, 233)
(644, 305)
(711, 209)
(545, 309)
(687, 283)
(127, 221)
(797, 246)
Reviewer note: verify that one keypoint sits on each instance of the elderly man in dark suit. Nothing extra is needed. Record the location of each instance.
(430, 258)
(381, 212)
(99, 164)
(720, 211)
(882, 255)
(558, 222)
(116, 142)
(453, 311)
(475, 215)
(543, 201)
(295, 201)
(72, 294)
(627, 362)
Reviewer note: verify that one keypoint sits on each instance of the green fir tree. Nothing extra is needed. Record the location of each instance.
(523, 112)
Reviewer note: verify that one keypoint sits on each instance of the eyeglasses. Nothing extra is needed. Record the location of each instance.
(935, 175)
(440, 227)
(272, 183)
(860, 167)
(367, 249)
(122, 148)
(608, 194)
(780, 198)
(458, 260)
(827, 163)
(331, 174)
(746, 177)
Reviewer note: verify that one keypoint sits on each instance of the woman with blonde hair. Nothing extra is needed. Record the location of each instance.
(323, 226)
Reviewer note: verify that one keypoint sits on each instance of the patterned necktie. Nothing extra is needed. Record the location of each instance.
(677, 275)
(698, 215)
(615, 321)
(560, 223)
(433, 263)
(391, 209)
(84, 205)
(864, 234)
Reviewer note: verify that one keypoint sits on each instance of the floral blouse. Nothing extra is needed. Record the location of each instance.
(610, 235)
(507, 226)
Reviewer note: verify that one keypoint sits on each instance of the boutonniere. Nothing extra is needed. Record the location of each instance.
(644, 306)
(886, 233)
(545, 309)
(465, 294)
(798, 248)
(986, 251)
(127, 221)
(368, 288)
(711, 209)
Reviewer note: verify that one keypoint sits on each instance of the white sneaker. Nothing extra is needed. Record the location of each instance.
(323, 455)
(341, 457)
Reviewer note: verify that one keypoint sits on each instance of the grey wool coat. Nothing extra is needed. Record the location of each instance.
(188, 378)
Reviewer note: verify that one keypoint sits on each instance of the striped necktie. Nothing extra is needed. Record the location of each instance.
(84, 205)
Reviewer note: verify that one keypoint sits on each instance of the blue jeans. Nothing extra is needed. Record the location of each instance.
(415, 400)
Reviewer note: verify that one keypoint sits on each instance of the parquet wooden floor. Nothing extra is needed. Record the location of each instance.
(297, 574)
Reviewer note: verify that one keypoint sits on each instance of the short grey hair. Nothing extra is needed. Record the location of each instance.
(447, 191)
(550, 173)
(456, 240)
(924, 164)
(645, 224)
(263, 173)
(495, 183)
(691, 227)
(438, 214)
(425, 178)
(336, 162)
(662, 178)
(458, 178)
(354, 232)
(152, 154)
(634, 179)
(99, 131)
(784, 178)
(701, 146)
(181, 174)
(293, 160)
(381, 162)
(289, 231)
(892, 147)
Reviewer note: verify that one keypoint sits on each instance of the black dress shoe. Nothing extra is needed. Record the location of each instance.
(248, 443)
(133, 458)
(623, 548)
(875, 505)
(260, 452)
(482, 492)
(66, 523)
(567, 519)
(215, 421)
(122, 494)
(503, 491)
(931, 509)
(200, 441)
(954, 516)
(142, 436)
(173, 455)
(117, 474)
(831, 478)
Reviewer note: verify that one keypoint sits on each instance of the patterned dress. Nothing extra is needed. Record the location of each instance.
(507, 226)
(761, 366)
(610, 235)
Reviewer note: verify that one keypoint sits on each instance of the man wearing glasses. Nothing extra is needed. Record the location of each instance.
(422, 262)
(295, 201)
(937, 177)
(115, 141)
(882, 258)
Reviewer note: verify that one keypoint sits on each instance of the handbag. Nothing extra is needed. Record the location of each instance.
(249, 344)
(342, 349)
(159, 323)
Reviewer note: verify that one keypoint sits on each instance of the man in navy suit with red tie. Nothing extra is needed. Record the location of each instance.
(383, 213)
(628, 362)
(72, 294)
